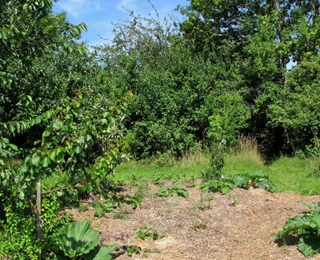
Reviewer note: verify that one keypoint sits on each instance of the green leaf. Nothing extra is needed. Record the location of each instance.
(241, 180)
(35, 159)
(45, 134)
(224, 190)
(265, 184)
(58, 124)
(100, 253)
(298, 223)
(21, 195)
(53, 155)
(257, 174)
(184, 193)
(13, 147)
(78, 150)
(77, 239)
(316, 221)
(309, 244)
(46, 162)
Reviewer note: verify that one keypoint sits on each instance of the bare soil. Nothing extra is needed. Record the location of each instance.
(239, 225)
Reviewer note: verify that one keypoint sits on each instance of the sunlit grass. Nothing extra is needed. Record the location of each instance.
(289, 174)
(296, 175)
(189, 167)
(245, 159)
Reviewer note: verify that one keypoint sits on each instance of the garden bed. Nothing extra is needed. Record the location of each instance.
(239, 225)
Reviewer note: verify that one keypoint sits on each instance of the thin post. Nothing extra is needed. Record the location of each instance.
(39, 220)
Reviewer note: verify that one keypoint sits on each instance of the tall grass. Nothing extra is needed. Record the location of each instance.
(296, 175)
(245, 158)
(289, 174)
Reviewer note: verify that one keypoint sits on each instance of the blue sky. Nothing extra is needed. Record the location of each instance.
(100, 14)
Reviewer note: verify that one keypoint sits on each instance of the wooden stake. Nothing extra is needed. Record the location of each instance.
(39, 220)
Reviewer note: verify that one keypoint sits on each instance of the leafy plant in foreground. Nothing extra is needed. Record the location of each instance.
(307, 227)
(80, 240)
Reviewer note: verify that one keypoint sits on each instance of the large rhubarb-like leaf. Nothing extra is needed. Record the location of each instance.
(77, 239)
(309, 244)
(100, 253)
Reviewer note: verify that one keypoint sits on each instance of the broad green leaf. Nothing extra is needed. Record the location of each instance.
(78, 150)
(21, 195)
(265, 184)
(53, 155)
(241, 180)
(100, 253)
(13, 147)
(47, 115)
(89, 137)
(35, 159)
(298, 223)
(46, 133)
(225, 190)
(80, 140)
(309, 244)
(184, 193)
(77, 239)
(46, 162)
(58, 124)
(316, 221)
(257, 174)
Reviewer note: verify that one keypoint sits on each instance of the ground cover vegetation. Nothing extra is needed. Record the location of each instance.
(160, 91)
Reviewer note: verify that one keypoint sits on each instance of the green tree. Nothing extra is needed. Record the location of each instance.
(172, 87)
(35, 59)
(254, 41)
(55, 118)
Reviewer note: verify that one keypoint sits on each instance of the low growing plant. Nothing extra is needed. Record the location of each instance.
(253, 179)
(132, 250)
(172, 191)
(80, 240)
(307, 227)
(82, 208)
(223, 185)
(149, 233)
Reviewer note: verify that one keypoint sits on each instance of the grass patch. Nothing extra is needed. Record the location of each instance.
(247, 158)
(301, 176)
(187, 168)
(288, 174)
(294, 175)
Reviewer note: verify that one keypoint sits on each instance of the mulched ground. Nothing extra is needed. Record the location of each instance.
(240, 225)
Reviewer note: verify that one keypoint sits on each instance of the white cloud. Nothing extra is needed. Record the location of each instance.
(79, 7)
